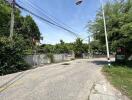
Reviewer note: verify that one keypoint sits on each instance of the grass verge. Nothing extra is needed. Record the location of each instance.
(120, 76)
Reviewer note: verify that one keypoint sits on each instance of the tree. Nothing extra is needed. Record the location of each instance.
(25, 26)
(4, 18)
(47, 48)
(119, 25)
(12, 55)
(78, 47)
(30, 29)
(61, 47)
(25, 31)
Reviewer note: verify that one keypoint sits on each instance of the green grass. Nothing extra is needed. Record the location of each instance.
(121, 77)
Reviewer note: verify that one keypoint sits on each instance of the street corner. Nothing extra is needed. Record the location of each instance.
(104, 91)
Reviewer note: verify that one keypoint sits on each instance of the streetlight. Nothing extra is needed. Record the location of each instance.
(78, 2)
(105, 28)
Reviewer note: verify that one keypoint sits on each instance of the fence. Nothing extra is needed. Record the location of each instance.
(86, 55)
(42, 59)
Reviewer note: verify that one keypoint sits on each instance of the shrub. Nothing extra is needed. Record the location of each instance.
(11, 55)
(51, 57)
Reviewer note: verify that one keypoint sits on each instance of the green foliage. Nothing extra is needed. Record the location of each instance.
(61, 48)
(4, 18)
(96, 46)
(119, 25)
(50, 55)
(11, 55)
(46, 48)
(78, 47)
(30, 29)
(26, 33)
(121, 77)
(23, 25)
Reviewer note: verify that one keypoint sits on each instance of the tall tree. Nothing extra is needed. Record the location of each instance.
(119, 25)
(30, 29)
(78, 47)
(4, 18)
(23, 25)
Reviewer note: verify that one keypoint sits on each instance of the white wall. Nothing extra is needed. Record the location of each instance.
(42, 59)
(34, 60)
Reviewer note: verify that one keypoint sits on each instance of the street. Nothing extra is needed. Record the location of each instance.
(79, 79)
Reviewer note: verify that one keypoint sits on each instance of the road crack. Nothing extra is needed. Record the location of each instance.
(92, 88)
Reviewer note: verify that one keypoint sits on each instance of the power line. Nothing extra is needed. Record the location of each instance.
(51, 16)
(33, 6)
(87, 36)
(47, 21)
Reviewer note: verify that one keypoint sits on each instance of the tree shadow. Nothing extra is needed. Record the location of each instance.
(123, 64)
(13, 80)
(99, 62)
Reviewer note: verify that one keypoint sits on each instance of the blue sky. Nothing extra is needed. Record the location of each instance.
(65, 11)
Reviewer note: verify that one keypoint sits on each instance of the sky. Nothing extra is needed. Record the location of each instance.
(62, 11)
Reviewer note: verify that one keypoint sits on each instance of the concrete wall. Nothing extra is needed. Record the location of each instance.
(34, 60)
(43, 59)
(86, 56)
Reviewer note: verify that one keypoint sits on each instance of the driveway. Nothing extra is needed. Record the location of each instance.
(80, 79)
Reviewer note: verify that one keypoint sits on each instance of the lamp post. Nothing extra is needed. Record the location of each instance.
(89, 46)
(105, 28)
(79, 2)
(106, 36)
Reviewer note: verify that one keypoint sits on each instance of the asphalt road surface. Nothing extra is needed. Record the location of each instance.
(75, 80)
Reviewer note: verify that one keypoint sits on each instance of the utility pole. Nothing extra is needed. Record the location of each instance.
(12, 20)
(89, 46)
(106, 36)
(105, 29)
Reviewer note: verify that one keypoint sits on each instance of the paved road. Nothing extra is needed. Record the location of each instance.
(76, 80)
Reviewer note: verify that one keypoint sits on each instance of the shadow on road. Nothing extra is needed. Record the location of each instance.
(12, 81)
(99, 62)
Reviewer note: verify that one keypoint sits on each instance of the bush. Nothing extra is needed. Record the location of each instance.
(11, 55)
(121, 77)
(51, 57)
